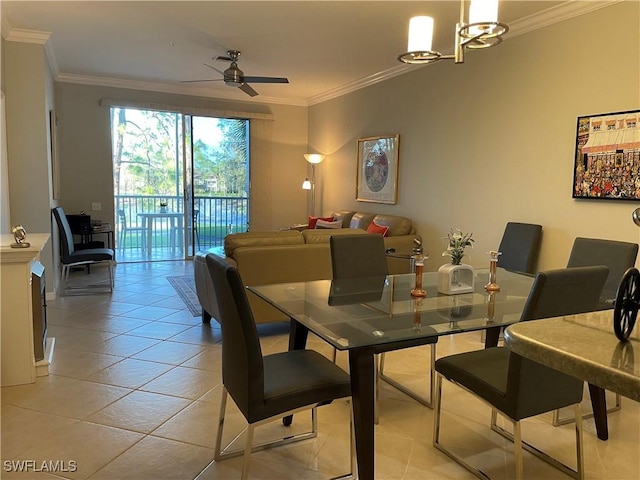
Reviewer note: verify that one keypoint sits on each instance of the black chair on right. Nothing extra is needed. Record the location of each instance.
(520, 246)
(618, 256)
(364, 256)
(266, 388)
(520, 388)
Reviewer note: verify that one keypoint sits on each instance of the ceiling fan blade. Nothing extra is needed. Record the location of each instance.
(246, 88)
(224, 58)
(196, 81)
(213, 68)
(266, 79)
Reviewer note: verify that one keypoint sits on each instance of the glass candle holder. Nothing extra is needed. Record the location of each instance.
(418, 291)
(492, 286)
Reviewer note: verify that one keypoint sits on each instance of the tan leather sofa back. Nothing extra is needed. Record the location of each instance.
(322, 235)
(245, 239)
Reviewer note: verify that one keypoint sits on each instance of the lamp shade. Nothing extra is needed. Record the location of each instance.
(306, 185)
(420, 34)
(314, 158)
(483, 11)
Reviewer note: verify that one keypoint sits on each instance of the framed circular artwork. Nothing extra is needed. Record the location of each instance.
(377, 176)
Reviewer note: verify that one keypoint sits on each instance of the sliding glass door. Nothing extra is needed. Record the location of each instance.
(180, 182)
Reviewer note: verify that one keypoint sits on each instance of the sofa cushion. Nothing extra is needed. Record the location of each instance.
(246, 239)
(362, 220)
(322, 235)
(397, 225)
(345, 216)
(313, 220)
(328, 224)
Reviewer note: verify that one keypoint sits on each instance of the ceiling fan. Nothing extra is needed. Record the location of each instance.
(234, 77)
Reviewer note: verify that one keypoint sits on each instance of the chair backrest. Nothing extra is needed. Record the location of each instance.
(122, 219)
(618, 256)
(355, 256)
(520, 246)
(64, 232)
(242, 367)
(565, 291)
(534, 388)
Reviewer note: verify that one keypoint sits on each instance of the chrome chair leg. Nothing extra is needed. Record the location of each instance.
(557, 421)
(220, 453)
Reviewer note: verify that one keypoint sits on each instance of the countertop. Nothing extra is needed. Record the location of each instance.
(584, 346)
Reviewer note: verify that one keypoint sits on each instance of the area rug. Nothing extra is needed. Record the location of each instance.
(185, 287)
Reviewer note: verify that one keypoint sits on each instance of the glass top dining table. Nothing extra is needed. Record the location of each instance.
(367, 316)
(374, 311)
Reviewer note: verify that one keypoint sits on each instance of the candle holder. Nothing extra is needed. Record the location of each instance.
(417, 320)
(492, 286)
(418, 291)
(491, 308)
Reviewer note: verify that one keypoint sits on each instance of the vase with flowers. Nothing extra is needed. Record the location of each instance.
(456, 277)
(163, 207)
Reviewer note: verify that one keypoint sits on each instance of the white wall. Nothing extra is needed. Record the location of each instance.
(492, 140)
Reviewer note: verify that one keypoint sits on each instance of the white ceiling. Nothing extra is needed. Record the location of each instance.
(325, 48)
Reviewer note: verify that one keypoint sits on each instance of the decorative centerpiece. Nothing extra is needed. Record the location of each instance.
(492, 286)
(20, 236)
(456, 277)
(163, 207)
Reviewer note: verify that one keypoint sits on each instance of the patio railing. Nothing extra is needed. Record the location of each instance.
(214, 217)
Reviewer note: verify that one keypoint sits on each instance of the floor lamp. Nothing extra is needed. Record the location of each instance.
(313, 159)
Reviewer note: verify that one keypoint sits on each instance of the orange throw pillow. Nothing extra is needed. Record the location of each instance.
(375, 228)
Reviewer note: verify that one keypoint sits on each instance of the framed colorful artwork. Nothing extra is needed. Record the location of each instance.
(377, 175)
(607, 156)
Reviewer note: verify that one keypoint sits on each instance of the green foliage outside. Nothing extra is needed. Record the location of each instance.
(147, 154)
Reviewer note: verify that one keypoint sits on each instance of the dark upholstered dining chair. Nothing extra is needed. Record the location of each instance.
(70, 257)
(520, 388)
(268, 387)
(520, 246)
(364, 256)
(618, 256)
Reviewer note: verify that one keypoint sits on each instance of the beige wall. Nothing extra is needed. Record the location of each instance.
(28, 87)
(277, 165)
(492, 140)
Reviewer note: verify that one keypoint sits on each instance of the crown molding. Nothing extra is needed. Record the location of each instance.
(550, 16)
(234, 93)
(27, 36)
(545, 18)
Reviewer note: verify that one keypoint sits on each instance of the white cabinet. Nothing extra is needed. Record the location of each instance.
(18, 365)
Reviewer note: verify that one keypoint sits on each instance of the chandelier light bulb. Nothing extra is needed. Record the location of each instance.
(420, 34)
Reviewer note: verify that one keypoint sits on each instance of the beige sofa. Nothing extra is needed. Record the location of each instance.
(264, 258)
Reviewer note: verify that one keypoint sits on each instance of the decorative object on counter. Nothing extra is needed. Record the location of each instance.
(418, 262)
(456, 277)
(625, 310)
(20, 235)
(163, 207)
(492, 286)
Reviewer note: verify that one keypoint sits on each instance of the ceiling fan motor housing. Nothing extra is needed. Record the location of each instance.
(233, 76)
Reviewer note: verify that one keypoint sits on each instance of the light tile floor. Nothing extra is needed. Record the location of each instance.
(134, 392)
